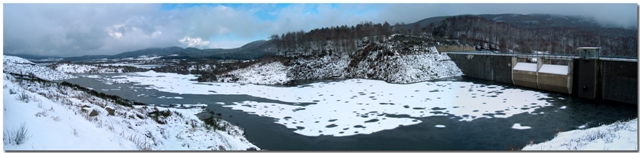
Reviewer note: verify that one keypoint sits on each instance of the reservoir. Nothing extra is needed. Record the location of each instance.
(357, 114)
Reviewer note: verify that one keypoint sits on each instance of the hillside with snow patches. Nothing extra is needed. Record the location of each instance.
(86, 68)
(44, 115)
(17, 65)
(269, 73)
(395, 60)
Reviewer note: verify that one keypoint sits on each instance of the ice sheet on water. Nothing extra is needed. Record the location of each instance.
(176, 97)
(358, 101)
(520, 127)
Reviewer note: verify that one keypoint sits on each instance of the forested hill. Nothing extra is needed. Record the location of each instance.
(501, 32)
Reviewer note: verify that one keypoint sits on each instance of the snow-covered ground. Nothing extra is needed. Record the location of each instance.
(84, 68)
(13, 64)
(144, 66)
(145, 57)
(616, 136)
(358, 106)
(205, 67)
(140, 58)
(319, 68)
(270, 73)
(415, 68)
(58, 117)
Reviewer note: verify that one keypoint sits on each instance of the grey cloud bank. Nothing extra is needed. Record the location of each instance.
(91, 29)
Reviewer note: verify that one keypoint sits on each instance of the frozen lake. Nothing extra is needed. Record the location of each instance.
(359, 114)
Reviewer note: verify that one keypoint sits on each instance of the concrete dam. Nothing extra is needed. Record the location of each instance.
(587, 75)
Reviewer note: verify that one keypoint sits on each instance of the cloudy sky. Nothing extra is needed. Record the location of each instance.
(92, 29)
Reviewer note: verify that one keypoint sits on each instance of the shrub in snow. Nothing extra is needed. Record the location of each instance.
(159, 116)
(41, 114)
(75, 132)
(56, 118)
(16, 136)
(23, 97)
(213, 123)
(141, 143)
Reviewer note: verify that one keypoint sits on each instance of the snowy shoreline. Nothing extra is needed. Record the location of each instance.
(621, 135)
(51, 111)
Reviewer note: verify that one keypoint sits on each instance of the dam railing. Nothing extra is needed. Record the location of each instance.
(543, 56)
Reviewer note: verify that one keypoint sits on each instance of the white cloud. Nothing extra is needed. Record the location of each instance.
(194, 42)
(222, 30)
(155, 34)
(115, 34)
(227, 44)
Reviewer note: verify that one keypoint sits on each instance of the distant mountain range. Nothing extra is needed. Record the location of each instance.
(253, 50)
(517, 32)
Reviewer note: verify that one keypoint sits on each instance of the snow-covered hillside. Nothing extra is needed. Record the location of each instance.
(616, 136)
(85, 68)
(396, 60)
(55, 116)
(13, 64)
(420, 66)
(270, 73)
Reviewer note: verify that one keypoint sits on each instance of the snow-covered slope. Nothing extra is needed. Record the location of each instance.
(319, 68)
(52, 112)
(616, 136)
(420, 66)
(60, 117)
(13, 64)
(84, 68)
(380, 61)
(396, 59)
(269, 73)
